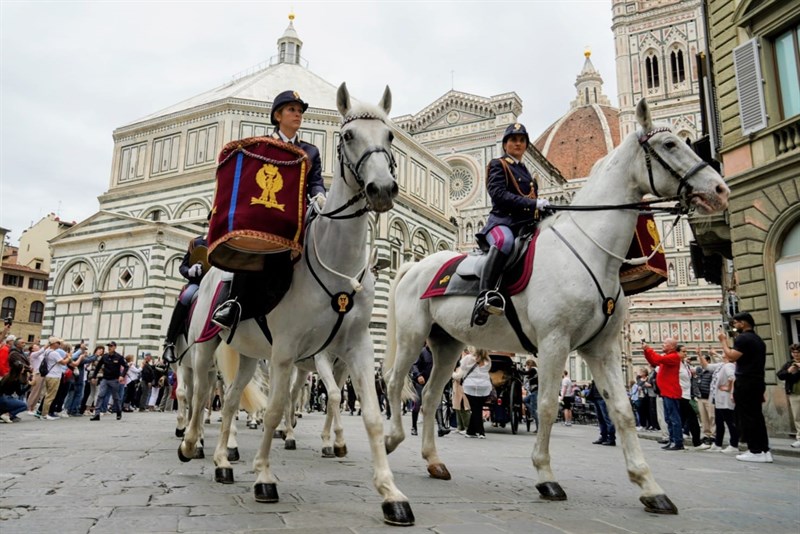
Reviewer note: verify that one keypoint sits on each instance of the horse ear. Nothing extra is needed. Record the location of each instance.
(343, 99)
(643, 115)
(386, 101)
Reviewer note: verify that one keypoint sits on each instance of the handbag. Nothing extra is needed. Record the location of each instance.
(461, 380)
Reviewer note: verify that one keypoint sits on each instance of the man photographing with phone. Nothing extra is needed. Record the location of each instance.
(749, 353)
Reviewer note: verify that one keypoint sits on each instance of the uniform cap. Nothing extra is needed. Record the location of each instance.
(516, 129)
(286, 97)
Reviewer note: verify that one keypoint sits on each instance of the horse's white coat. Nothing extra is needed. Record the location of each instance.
(561, 307)
(304, 318)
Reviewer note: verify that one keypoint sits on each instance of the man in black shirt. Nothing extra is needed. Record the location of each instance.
(749, 353)
(114, 369)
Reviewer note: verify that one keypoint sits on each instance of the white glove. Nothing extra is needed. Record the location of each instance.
(542, 203)
(319, 199)
(196, 270)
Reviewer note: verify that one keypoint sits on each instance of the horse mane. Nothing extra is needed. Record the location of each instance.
(363, 109)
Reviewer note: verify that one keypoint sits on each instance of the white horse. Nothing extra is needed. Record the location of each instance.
(326, 312)
(562, 308)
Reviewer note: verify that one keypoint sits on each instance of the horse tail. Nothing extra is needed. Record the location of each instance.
(391, 329)
(253, 400)
(408, 393)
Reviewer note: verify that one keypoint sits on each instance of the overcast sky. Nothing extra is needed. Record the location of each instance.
(72, 72)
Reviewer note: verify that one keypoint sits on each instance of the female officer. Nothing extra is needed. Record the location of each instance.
(286, 116)
(513, 192)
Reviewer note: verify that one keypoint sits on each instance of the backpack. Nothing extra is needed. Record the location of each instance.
(43, 369)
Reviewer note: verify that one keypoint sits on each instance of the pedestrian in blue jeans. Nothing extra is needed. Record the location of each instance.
(532, 399)
(608, 433)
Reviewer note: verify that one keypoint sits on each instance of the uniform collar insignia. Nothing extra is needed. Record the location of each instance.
(510, 159)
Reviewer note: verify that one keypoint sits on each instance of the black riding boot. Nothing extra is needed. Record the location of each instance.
(229, 312)
(490, 301)
(179, 315)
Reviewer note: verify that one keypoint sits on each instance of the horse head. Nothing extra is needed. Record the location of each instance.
(677, 170)
(365, 149)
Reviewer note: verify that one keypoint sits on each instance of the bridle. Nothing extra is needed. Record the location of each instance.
(355, 169)
(683, 181)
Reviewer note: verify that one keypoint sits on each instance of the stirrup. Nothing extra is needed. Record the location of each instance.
(231, 307)
(169, 352)
(496, 308)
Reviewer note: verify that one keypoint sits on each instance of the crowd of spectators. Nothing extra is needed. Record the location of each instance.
(54, 380)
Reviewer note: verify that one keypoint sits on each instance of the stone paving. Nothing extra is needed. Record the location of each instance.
(124, 476)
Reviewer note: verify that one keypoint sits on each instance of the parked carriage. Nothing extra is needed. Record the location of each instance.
(505, 407)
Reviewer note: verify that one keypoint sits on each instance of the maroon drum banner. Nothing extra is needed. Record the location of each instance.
(259, 203)
(639, 278)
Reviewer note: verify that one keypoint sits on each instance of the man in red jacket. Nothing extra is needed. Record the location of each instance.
(668, 380)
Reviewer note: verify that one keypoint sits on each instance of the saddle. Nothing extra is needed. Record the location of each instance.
(461, 275)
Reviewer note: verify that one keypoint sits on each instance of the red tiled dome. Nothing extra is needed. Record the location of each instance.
(578, 139)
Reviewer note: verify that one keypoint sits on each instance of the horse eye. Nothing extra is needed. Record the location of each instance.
(391, 137)
(348, 136)
(670, 145)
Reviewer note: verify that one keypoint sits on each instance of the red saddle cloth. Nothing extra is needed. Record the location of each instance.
(259, 203)
(634, 278)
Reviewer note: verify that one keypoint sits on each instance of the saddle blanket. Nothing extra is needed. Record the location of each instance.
(448, 282)
(210, 329)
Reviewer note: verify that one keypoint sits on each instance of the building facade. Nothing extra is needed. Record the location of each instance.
(753, 61)
(115, 275)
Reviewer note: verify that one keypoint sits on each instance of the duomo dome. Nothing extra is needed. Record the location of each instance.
(587, 132)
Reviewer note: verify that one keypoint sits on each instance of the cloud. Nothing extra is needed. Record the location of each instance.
(72, 72)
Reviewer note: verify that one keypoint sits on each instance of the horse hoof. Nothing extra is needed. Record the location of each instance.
(199, 454)
(551, 491)
(233, 454)
(659, 504)
(179, 432)
(266, 492)
(279, 434)
(181, 457)
(223, 475)
(327, 452)
(398, 513)
(439, 471)
(289, 445)
(340, 452)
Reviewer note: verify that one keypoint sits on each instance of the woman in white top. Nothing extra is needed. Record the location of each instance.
(473, 373)
(720, 394)
(567, 398)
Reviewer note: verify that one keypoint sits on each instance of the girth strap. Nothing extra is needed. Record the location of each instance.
(513, 320)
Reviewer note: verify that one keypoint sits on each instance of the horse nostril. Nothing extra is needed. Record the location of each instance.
(395, 190)
(722, 189)
(372, 189)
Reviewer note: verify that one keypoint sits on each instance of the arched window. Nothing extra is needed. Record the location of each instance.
(194, 211)
(677, 67)
(469, 234)
(586, 93)
(651, 71)
(9, 308)
(37, 312)
(419, 244)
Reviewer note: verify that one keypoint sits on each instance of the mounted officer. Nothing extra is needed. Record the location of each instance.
(249, 291)
(193, 267)
(514, 204)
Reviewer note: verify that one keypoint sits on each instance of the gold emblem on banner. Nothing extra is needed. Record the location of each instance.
(269, 179)
(651, 229)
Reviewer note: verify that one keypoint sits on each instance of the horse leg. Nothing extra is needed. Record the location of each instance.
(290, 415)
(265, 487)
(339, 445)
(553, 356)
(181, 392)
(325, 371)
(202, 365)
(445, 353)
(396, 380)
(223, 471)
(396, 509)
(606, 368)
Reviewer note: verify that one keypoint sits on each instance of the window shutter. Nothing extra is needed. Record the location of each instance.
(749, 88)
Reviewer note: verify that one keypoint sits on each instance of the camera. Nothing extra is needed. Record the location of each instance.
(9, 320)
(643, 341)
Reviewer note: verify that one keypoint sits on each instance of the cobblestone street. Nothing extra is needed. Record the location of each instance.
(79, 476)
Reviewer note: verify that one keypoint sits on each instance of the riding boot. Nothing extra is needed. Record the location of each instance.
(489, 300)
(176, 323)
(228, 313)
